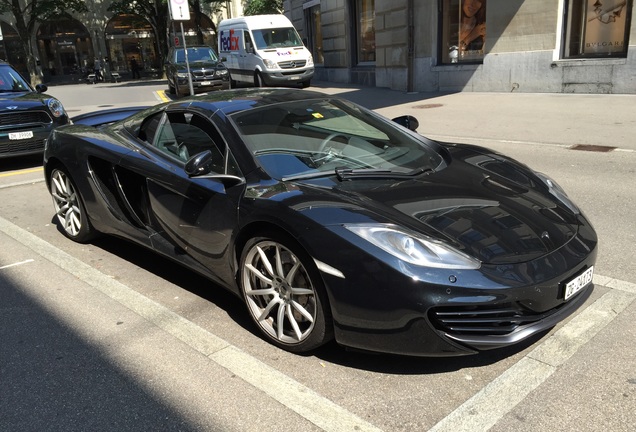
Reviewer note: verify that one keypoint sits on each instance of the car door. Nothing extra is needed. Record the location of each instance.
(195, 217)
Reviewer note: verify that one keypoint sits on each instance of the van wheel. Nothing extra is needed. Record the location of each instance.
(258, 80)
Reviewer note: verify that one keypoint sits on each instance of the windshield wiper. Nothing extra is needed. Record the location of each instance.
(373, 173)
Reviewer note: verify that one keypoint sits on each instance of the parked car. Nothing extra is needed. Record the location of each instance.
(206, 70)
(331, 221)
(27, 114)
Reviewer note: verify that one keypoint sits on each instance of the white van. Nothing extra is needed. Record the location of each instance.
(264, 50)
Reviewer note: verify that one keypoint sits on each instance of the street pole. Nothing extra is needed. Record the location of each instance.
(185, 49)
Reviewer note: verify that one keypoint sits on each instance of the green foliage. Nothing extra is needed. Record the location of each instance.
(259, 7)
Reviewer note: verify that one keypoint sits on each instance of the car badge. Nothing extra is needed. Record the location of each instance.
(545, 235)
(292, 64)
(12, 107)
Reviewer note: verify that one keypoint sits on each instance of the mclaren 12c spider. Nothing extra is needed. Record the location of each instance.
(331, 221)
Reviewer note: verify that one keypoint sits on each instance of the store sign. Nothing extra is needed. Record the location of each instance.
(605, 26)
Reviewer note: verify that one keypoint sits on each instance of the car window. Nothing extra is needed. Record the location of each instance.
(206, 54)
(10, 80)
(181, 135)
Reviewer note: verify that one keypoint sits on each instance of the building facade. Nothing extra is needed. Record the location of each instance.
(69, 48)
(560, 46)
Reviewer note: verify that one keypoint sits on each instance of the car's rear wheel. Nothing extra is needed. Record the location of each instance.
(284, 293)
(170, 88)
(69, 208)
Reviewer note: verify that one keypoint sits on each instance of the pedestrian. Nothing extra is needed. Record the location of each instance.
(97, 68)
(134, 67)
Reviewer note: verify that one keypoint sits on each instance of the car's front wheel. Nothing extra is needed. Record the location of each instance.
(284, 294)
(69, 208)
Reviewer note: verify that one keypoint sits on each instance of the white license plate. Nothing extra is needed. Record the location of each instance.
(578, 283)
(205, 83)
(20, 135)
(294, 78)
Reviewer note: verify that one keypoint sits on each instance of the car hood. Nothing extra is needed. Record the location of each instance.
(490, 207)
(22, 100)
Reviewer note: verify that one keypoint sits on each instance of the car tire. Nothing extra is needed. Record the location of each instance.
(69, 208)
(170, 89)
(258, 80)
(284, 293)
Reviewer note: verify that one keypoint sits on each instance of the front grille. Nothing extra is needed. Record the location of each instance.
(292, 64)
(9, 147)
(475, 321)
(203, 74)
(24, 118)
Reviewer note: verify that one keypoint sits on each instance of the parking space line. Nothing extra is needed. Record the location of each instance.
(295, 396)
(504, 393)
(26, 171)
(22, 183)
(161, 95)
(16, 264)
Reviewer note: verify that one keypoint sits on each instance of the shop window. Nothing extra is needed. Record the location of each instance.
(463, 31)
(314, 33)
(596, 28)
(365, 12)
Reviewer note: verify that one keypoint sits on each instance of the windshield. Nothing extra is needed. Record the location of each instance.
(311, 138)
(276, 38)
(11, 80)
(205, 54)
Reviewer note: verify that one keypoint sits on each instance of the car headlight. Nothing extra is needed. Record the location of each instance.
(414, 248)
(270, 64)
(222, 72)
(558, 192)
(56, 107)
(310, 61)
(182, 75)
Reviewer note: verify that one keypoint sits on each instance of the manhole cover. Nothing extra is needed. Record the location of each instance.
(426, 106)
(592, 148)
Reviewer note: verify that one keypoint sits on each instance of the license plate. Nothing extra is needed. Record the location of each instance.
(20, 135)
(294, 78)
(578, 283)
(205, 83)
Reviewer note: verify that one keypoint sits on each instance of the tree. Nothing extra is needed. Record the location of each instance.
(30, 12)
(259, 7)
(195, 7)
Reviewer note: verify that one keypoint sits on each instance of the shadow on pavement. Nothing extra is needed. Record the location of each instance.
(53, 379)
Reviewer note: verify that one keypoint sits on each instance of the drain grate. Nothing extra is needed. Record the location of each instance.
(426, 106)
(592, 148)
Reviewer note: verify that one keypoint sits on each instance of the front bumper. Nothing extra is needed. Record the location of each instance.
(385, 305)
(23, 147)
(286, 77)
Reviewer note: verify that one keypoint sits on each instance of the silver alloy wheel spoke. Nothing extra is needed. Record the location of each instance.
(279, 292)
(66, 203)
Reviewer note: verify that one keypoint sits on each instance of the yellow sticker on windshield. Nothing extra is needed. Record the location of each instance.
(317, 115)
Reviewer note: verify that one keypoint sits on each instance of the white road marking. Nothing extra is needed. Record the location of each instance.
(479, 413)
(16, 264)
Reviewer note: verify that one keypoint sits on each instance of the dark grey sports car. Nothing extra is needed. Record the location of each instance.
(331, 221)
(27, 114)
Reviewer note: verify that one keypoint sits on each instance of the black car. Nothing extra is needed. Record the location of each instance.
(331, 221)
(206, 70)
(27, 114)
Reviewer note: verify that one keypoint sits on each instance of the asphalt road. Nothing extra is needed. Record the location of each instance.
(107, 336)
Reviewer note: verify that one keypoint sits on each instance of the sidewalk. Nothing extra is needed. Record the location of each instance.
(565, 119)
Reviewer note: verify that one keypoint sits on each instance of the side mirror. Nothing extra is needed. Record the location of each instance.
(200, 165)
(223, 59)
(41, 88)
(408, 121)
